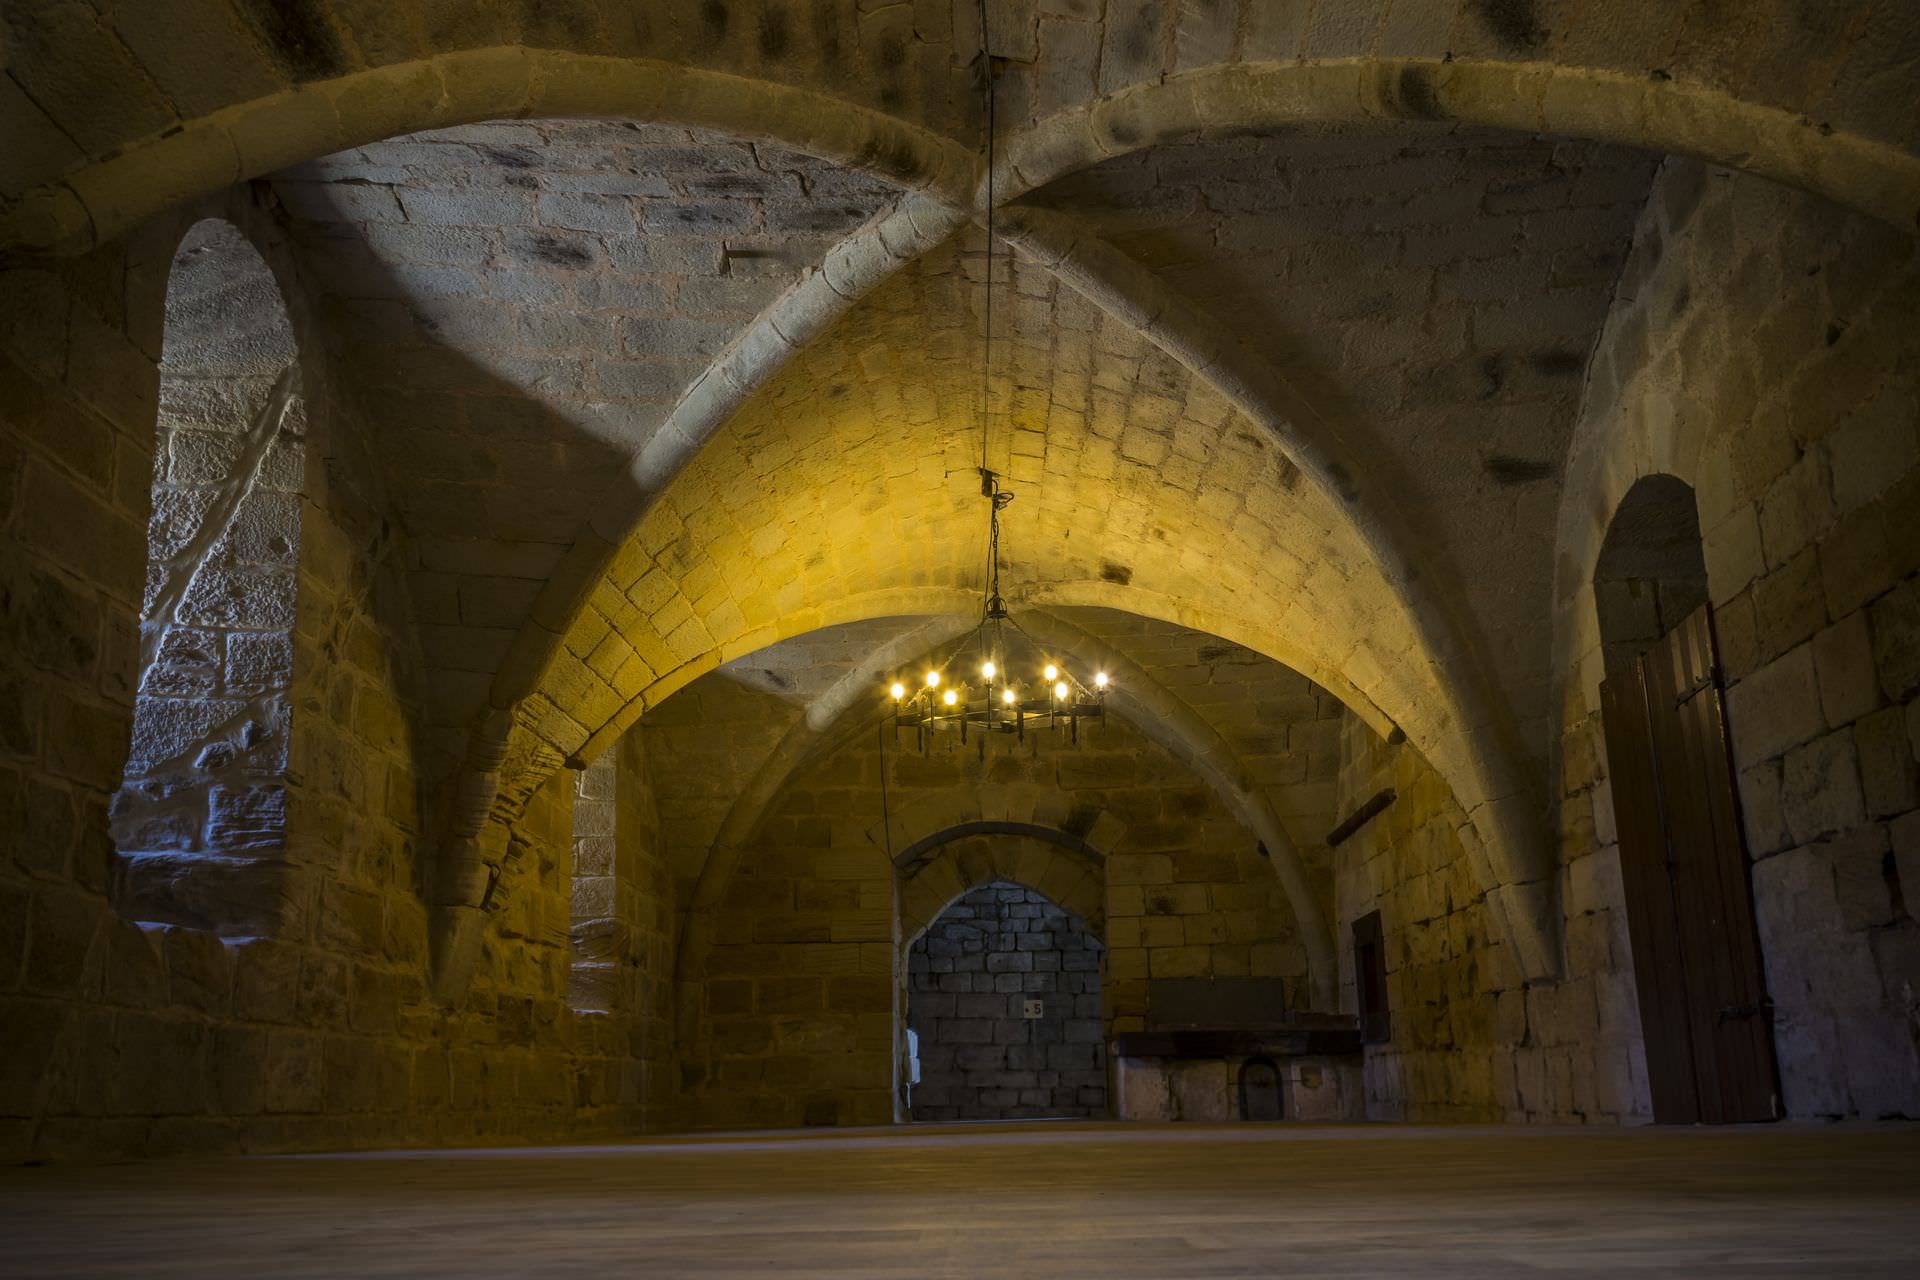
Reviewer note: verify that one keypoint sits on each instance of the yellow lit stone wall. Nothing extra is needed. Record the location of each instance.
(1470, 1041)
(799, 1019)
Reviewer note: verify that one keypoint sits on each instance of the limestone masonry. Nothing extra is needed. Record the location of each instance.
(469, 473)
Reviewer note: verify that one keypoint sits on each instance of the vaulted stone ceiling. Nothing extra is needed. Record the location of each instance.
(708, 742)
(1273, 718)
(1360, 507)
(1434, 291)
(517, 310)
(519, 306)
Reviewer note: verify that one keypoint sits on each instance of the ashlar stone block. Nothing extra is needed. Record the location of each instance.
(1889, 772)
(1843, 663)
(1821, 793)
(1775, 708)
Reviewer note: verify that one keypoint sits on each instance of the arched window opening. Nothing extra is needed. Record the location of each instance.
(202, 806)
(1003, 999)
(1651, 572)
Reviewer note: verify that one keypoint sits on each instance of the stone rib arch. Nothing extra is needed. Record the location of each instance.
(514, 754)
(1063, 868)
(1182, 731)
(1159, 715)
(852, 269)
(478, 819)
(1505, 798)
(1053, 841)
(1658, 113)
(915, 831)
(107, 196)
(1493, 784)
(510, 728)
(814, 731)
(1809, 133)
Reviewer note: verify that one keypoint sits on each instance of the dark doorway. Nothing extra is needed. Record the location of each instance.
(1003, 996)
(1704, 1012)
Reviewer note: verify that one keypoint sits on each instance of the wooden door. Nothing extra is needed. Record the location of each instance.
(1704, 1011)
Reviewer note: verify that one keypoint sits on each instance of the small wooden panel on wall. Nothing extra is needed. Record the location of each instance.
(1370, 978)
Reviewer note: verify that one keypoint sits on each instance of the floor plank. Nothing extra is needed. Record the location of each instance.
(1029, 1200)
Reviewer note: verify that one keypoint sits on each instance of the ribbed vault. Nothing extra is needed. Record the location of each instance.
(211, 97)
(853, 704)
(1161, 469)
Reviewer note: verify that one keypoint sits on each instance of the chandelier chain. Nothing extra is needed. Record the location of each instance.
(1004, 707)
(986, 361)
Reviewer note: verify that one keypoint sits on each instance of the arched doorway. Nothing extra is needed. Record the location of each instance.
(1003, 1007)
(1705, 1018)
(1651, 572)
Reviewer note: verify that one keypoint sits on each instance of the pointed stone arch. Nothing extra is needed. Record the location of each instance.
(1470, 736)
(1065, 868)
(1658, 113)
(1651, 571)
(108, 195)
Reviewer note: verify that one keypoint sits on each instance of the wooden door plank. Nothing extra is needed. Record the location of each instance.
(1742, 1029)
(1697, 924)
(1698, 902)
(1652, 930)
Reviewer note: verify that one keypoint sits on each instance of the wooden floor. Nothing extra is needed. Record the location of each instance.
(1036, 1200)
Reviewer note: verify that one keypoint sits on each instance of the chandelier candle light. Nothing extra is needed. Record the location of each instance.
(976, 692)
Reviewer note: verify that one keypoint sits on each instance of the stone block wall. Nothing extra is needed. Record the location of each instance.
(703, 746)
(969, 977)
(798, 1017)
(130, 1038)
(1470, 1041)
(1762, 351)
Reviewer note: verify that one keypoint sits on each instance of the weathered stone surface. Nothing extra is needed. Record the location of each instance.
(241, 818)
(1775, 708)
(1895, 619)
(984, 1055)
(1292, 386)
(1821, 793)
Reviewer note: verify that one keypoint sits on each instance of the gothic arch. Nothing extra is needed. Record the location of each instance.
(107, 195)
(1656, 113)
(1651, 572)
(125, 180)
(815, 731)
(1056, 864)
(1468, 733)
